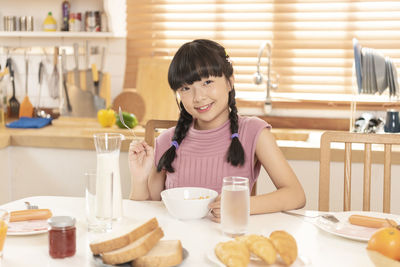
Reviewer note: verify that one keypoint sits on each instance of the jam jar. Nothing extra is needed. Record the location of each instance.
(62, 236)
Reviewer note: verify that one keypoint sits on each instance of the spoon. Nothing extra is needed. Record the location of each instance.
(121, 118)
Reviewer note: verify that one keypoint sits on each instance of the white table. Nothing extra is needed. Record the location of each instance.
(197, 236)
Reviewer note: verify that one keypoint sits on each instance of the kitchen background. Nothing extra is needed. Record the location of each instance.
(309, 58)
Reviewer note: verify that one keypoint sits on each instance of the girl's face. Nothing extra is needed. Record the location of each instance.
(207, 101)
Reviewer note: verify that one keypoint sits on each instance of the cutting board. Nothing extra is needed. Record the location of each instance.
(152, 85)
(130, 101)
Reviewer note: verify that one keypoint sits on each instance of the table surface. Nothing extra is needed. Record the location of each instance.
(198, 237)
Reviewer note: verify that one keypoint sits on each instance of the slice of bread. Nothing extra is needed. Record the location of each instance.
(118, 240)
(165, 254)
(135, 249)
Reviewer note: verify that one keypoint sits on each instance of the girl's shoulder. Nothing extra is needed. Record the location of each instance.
(252, 123)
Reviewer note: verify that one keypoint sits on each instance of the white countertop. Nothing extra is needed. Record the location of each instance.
(198, 237)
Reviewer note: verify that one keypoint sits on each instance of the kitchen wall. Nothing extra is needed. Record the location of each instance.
(115, 44)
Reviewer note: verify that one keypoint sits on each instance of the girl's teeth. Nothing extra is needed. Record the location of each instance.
(203, 107)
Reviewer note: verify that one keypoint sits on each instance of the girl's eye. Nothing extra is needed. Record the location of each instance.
(207, 82)
(182, 89)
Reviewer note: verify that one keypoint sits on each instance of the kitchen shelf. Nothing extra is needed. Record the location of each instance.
(59, 34)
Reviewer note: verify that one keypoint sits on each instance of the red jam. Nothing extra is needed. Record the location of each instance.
(62, 237)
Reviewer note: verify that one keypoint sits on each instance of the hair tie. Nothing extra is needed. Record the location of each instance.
(175, 144)
(235, 135)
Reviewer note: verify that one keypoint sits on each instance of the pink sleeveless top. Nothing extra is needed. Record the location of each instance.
(201, 157)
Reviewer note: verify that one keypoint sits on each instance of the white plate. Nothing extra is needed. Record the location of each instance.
(255, 261)
(348, 230)
(34, 227)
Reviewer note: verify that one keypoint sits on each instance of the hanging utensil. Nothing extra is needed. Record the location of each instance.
(55, 76)
(64, 79)
(82, 101)
(88, 72)
(14, 104)
(26, 109)
(99, 102)
(40, 80)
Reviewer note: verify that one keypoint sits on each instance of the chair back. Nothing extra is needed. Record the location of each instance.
(348, 138)
(152, 128)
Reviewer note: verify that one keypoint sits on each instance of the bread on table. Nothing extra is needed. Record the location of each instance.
(135, 249)
(118, 240)
(260, 246)
(233, 253)
(165, 254)
(286, 246)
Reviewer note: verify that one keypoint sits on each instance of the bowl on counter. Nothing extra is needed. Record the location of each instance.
(188, 203)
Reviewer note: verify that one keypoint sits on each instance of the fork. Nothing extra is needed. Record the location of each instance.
(328, 217)
(31, 207)
(121, 118)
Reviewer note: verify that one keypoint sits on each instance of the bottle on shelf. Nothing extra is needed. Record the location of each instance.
(66, 7)
(50, 24)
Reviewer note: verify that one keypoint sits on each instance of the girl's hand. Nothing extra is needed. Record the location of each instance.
(215, 208)
(141, 159)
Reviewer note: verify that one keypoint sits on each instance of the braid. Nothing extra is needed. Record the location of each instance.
(236, 152)
(182, 127)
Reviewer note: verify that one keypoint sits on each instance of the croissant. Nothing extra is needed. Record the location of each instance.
(233, 254)
(260, 246)
(286, 246)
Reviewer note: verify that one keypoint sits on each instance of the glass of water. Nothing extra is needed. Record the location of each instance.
(99, 201)
(235, 205)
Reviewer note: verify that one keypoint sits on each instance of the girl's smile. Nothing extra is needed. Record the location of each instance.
(204, 108)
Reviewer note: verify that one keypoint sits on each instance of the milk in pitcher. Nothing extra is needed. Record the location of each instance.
(108, 163)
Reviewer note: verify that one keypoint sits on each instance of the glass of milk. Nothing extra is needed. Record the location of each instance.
(108, 149)
(235, 205)
(99, 202)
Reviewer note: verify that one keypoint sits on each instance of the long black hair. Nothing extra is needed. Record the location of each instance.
(193, 61)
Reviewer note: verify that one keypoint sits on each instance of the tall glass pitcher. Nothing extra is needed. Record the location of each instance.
(108, 147)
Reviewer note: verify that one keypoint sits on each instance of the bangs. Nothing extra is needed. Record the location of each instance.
(194, 62)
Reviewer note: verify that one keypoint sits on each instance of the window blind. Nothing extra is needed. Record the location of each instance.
(312, 40)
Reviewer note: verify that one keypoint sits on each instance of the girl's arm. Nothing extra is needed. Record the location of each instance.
(142, 170)
(289, 194)
(156, 183)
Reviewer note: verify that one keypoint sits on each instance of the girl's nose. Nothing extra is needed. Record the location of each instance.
(199, 94)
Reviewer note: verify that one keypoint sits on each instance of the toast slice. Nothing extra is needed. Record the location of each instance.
(165, 254)
(119, 240)
(135, 249)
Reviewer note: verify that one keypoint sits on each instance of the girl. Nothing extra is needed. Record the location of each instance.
(210, 140)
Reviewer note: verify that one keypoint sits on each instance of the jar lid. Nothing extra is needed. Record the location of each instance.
(61, 221)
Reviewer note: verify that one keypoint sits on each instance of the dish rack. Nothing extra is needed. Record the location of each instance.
(374, 78)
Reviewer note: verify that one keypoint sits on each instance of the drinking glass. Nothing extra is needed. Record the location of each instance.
(4, 219)
(99, 201)
(235, 205)
(108, 149)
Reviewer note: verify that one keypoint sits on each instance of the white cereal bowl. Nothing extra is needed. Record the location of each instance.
(188, 203)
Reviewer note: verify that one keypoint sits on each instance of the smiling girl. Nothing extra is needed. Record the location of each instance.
(210, 140)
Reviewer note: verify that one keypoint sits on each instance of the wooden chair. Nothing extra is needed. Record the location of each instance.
(152, 126)
(151, 130)
(348, 138)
